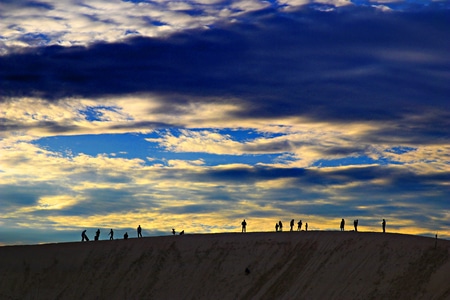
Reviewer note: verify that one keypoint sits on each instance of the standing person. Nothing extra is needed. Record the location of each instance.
(299, 225)
(355, 224)
(125, 236)
(111, 235)
(97, 235)
(139, 231)
(306, 227)
(342, 224)
(280, 226)
(244, 226)
(383, 224)
(292, 224)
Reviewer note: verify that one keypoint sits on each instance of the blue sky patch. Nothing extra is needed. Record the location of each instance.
(94, 113)
(131, 146)
(400, 149)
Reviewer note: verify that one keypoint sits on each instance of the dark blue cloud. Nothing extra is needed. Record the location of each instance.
(101, 201)
(13, 196)
(429, 128)
(251, 175)
(8, 125)
(29, 4)
(16, 196)
(350, 64)
(395, 182)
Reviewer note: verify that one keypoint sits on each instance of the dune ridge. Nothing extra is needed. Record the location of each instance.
(287, 265)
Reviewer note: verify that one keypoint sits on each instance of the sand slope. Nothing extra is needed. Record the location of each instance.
(297, 265)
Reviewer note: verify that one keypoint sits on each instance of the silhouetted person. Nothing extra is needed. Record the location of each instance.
(182, 232)
(173, 231)
(97, 235)
(355, 224)
(139, 231)
(111, 235)
(435, 242)
(125, 236)
(84, 236)
(342, 225)
(299, 227)
(276, 227)
(244, 226)
(383, 224)
(306, 227)
(292, 224)
(280, 226)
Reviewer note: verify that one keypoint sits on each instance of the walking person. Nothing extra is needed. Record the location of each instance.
(111, 235)
(299, 228)
(139, 231)
(84, 236)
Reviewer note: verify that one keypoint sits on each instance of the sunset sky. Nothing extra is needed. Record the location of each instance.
(194, 115)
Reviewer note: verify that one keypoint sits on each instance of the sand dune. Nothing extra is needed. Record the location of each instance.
(288, 265)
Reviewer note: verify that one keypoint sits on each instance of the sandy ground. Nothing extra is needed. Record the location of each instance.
(287, 265)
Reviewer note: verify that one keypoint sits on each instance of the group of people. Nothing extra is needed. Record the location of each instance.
(355, 225)
(279, 225)
(84, 236)
(174, 232)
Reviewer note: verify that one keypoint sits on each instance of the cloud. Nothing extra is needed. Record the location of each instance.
(71, 23)
(319, 112)
(228, 62)
(21, 195)
(94, 191)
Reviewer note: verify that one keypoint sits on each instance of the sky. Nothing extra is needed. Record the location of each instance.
(195, 115)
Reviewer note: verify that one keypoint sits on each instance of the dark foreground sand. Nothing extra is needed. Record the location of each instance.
(297, 265)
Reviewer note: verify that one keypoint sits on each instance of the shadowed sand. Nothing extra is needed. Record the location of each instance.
(288, 265)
